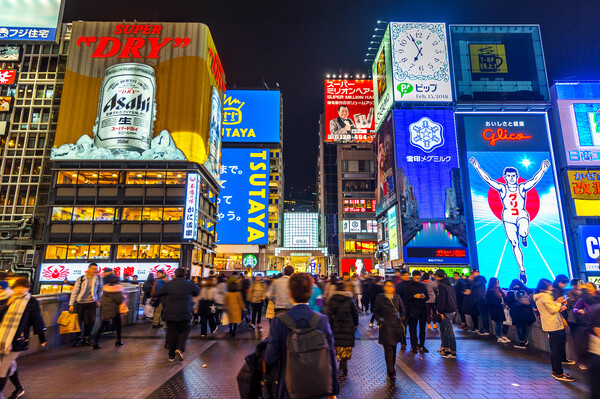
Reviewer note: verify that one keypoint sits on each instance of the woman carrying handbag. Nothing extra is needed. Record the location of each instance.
(389, 312)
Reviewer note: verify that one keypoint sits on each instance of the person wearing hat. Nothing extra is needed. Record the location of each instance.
(85, 298)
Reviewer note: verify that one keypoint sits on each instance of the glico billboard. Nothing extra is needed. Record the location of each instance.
(141, 92)
(252, 116)
(244, 197)
(349, 111)
(429, 183)
(513, 186)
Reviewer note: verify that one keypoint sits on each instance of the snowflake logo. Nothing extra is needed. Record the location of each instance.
(7, 77)
(426, 134)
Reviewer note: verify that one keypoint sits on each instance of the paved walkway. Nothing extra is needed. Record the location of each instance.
(484, 369)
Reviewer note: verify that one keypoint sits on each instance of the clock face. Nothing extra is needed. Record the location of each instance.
(420, 52)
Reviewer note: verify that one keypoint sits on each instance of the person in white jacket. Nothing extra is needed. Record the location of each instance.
(553, 325)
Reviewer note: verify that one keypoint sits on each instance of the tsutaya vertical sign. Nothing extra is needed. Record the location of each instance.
(192, 200)
(244, 196)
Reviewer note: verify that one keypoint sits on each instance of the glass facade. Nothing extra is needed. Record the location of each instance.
(300, 230)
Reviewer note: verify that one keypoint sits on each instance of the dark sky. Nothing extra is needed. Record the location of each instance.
(295, 43)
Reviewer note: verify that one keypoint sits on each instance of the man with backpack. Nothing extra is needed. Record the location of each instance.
(302, 340)
(86, 297)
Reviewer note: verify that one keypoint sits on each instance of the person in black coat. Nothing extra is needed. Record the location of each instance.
(401, 290)
(459, 287)
(376, 288)
(518, 299)
(478, 298)
(177, 311)
(416, 309)
(495, 298)
(366, 298)
(343, 318)
(446, 307)
(23, 311)
(112, 298)
(389, 311)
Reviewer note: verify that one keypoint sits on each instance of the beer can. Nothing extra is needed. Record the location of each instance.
(126, 108)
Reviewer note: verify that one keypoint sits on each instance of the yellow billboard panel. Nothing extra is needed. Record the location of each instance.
(488, 58)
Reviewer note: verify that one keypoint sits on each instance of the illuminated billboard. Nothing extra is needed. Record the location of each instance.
(429, 185)
(31, 20)
(9, 53)
(382, 80)
(498, 63)
(140, 92)
(359, 206)
(192, 199)
(300, 230)
(252, 116)
(244, 197)
(349, 111)
(584, 186)
(393, 233)
(516, 209)
(590, 243)
(8, 76)
(420, 67)
(385, 191)
(58, 272)
(359, 226)
(580, 125)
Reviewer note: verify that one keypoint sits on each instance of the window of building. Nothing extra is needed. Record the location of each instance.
(176, 178)
(127, 251)
(173, 214)
(136, 177)
(62, 213)
(359, 185)
(358, 247)
(148, 251)
(104, 214)
(87, 177)
(169, 251)
(99, 251)
(83, 213)
(56, 252)
(108, 177)
(152, 214)
(78, 252)
(156, 177)
(132, 214)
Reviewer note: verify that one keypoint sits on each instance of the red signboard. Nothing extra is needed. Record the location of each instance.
(7, 76)
(349, 111)
(359, 206)
(358, 266)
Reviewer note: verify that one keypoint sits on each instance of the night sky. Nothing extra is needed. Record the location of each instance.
(296, 43)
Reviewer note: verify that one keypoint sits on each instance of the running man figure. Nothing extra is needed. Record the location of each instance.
(514, 198)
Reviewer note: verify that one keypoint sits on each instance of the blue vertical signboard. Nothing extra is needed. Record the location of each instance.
(244, 198)
(429, 183)
(251, 116)
(516, 210)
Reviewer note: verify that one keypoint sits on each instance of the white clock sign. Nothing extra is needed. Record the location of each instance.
(420, 66)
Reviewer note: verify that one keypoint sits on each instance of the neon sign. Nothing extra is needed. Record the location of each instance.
(502, 134)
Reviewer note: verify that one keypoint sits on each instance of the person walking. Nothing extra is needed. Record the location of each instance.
(366, 289)
(256, 296)
(496, 302)
(279, 291)
(431, 291)
(330, 288)
(356, 290)
(580, 332)
(111, 300)
(446, 308)
(245, 282)
(159, 283)
(85, 298)
(552, 324)
(343, 318)
(460, 286)
(416, 308)
(234, 306)
(147, 288)
(518, 299)
(478, 298)
(316, 299)
(177, 311)
(389, 311)
(207, 308)
(401, 291)
(20, 313)
(220, 293)
(594, 352)
(376, 289)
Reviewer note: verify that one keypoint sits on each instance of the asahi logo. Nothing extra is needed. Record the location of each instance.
(117, 103)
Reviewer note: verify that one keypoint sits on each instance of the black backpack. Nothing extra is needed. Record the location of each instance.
(308, 367)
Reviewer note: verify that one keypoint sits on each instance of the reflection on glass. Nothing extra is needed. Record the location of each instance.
(147, 251)
(169, 251)
(56, 252)
(176, 178)
(99, 251)
(173, 214)
(132, 214)
(78, 252)
(83, 213)
(104, 214)
(136, 177)
(62, 213)
(69, 177)
(127, 251)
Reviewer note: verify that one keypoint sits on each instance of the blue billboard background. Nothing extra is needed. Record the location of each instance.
(34, 20)
(515, 229)
(590, 244)
(251, 116)
(244, 198)
(429, 184)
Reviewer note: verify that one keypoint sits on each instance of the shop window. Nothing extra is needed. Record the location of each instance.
(169, 251)
(132, 214)
(173, 214)
(176, 178)
(152, 214)
(127, 251)
(156, 177)
(78, 252)
(108, 177)
(147, 251)
(83, 213)
(104, 214)
(99, 251)
(66, 177)
(136, 177)
(62, 213)
(56, 252)
(87, 177)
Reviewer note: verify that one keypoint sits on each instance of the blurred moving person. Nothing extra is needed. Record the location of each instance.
(111, 299)
(343, 318)
(389, 311)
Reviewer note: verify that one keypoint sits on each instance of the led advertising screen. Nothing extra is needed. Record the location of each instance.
(516, 209)
(420, 67)
(590, 243)
(244, 197)
(385, 192)
(429, 185)
(584, 186)
(357, 266)
(393, 233)
(359, 206)
(252, 116)
(498, 63)
(580, 125)
(9, 53)
(349, 112)
(58, 272)
(32, 20)
(382, 80)
(140, 92)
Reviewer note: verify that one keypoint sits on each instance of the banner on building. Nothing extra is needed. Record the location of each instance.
(58, 272)
(385, 191)
(252, 116)
(31, 20)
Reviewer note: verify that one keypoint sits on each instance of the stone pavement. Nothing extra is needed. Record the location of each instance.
(484, 369)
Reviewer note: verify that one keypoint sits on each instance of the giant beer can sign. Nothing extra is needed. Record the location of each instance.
(126, 108)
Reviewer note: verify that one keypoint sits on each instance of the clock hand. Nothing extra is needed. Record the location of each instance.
(417, 46)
